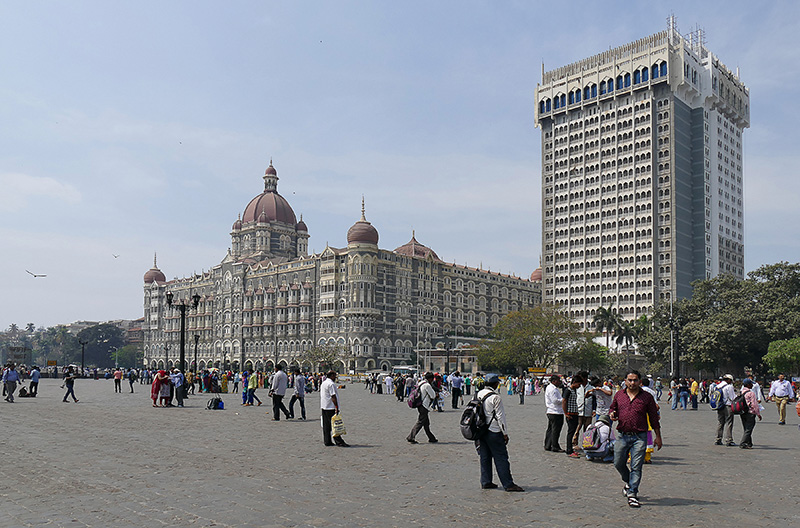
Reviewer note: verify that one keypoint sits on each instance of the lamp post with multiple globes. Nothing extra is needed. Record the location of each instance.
(182, 306)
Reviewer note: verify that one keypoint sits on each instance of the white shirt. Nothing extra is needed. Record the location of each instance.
(552, 400)
(757, 392)
(728, 393)
(603, 400)
(428, 395)
(781, 389)
(326, 392)
(493, 406)
(279, 383)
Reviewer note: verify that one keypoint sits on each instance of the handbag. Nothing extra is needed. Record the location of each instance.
(337, 425)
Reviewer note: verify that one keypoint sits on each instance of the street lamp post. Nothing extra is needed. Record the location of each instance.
(83, 355)
(182, 308)
(196, 339)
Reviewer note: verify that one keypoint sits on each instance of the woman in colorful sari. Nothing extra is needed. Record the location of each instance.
(159, 379)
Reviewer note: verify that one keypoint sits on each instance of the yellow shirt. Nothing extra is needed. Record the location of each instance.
(694, 388)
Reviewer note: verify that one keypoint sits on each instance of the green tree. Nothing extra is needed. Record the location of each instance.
(325, 357)
(127, 356)
(605, 321)
(784, 356)
(586, 355)
(625, 335)
(100, 339)
(530, 338)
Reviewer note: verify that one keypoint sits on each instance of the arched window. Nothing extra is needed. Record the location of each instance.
(548, 105)
(571, 97)
(627, 80)
(637, 77)
(563, 100)
(619, 82)
(602, 87)
(557, 104)
(587, 93)
(594, 90)
(644, 74)
(663, 69)
(541, 107)
(577, 96)
(654, 71)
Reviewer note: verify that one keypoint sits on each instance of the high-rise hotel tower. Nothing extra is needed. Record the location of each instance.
(641, 175)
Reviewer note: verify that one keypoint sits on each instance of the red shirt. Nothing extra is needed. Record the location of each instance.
(632, 414)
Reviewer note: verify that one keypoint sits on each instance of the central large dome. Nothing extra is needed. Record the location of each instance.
(273, 205)
(269, 206)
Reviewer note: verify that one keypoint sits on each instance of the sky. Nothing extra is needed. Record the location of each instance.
(134, 128)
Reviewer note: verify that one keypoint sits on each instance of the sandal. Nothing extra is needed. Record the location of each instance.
(633, 502)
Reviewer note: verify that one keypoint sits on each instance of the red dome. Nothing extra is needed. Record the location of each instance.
(536, 276)
(271, 170)
(301, 226)
(362, 232)
(415, 249)
(237, 225)
(273, 205)
(154, 274)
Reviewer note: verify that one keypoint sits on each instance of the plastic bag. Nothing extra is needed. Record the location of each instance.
(337, 425)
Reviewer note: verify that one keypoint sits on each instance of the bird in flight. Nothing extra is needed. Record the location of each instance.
(35, 275)
(115, 256)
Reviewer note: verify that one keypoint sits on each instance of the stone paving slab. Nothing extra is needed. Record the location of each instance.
(114, 460)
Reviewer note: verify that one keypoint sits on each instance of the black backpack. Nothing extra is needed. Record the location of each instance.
(739, 405)
(214, 404)
(473, 420)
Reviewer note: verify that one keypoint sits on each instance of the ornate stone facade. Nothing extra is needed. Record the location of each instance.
(268, 300)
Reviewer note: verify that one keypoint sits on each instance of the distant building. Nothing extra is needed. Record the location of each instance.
(268, 301)
(641, 175)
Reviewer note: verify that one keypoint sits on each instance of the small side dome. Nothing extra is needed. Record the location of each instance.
(271, 170)
(154, 274)
(536, 276)
(237, 225)
(301, 226)
(263, 218)
(362, 231)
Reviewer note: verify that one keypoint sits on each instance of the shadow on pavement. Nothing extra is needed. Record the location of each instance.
(676, 501)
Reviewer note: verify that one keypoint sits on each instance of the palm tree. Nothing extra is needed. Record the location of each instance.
(30, 328)
(605, 321)
(624, 334)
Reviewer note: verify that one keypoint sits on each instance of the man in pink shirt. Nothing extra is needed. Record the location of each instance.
(749, 418)
(631, 408)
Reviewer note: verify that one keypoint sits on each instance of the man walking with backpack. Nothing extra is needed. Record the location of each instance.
(724, 414)
(427, 400)
(492, 444)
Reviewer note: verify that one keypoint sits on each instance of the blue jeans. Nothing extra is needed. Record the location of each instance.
(70, 391)
(493, 447)
(251, 395)
(684, 400)
(636, 445)
(302, 400)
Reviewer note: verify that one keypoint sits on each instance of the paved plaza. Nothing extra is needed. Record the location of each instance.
(112, 460)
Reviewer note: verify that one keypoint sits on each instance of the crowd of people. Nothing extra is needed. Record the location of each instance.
(588, 405)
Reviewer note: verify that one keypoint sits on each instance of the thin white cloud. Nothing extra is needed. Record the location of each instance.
(18, 189)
